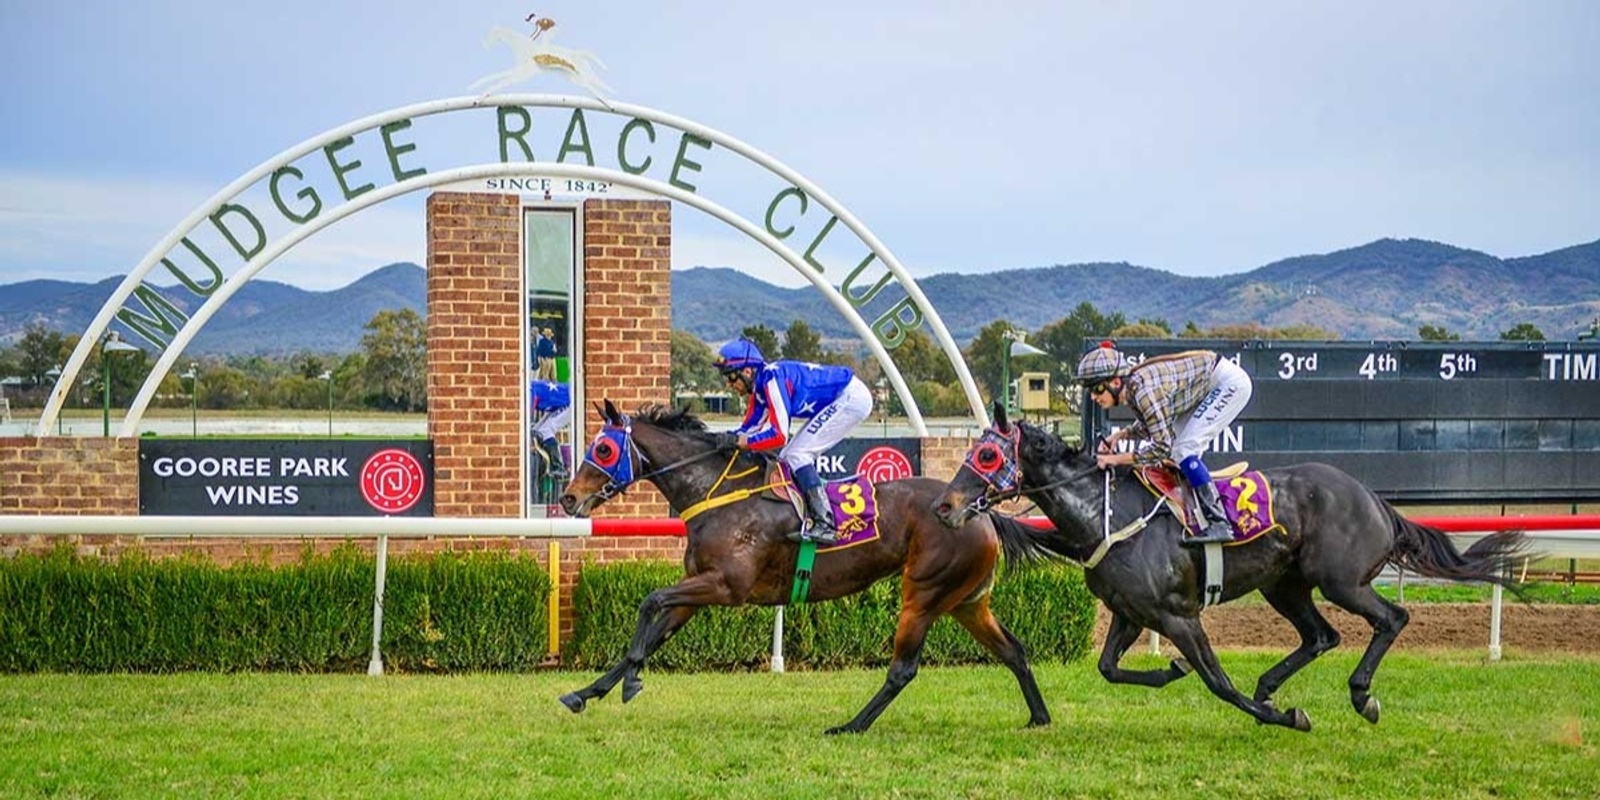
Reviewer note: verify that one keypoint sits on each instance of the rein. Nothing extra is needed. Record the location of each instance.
(682, 462)
(986, 501)
(614, 488)
(1108, 538)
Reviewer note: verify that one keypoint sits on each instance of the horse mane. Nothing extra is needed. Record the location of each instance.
(668, 418)
(1055, 447)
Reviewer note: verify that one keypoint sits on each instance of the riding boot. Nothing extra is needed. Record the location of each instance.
(552, 452)
(818, 525)
(1218, 530)
(820, 529)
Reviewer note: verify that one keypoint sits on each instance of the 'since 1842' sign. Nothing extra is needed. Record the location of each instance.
(271, 477)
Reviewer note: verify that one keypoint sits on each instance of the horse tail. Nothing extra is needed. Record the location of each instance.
(1023, 544)
(1429, 552)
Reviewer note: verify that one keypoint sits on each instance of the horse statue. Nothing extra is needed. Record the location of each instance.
(738, 554)
(538, 54)
(1329, 533)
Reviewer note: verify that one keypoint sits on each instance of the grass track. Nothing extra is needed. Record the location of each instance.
(1453, 727)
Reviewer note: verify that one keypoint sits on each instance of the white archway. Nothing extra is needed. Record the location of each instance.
(393, 123)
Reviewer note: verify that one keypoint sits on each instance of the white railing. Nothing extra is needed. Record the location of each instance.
(1554, 536)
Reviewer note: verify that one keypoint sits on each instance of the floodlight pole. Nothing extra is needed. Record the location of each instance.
(327, 375)
(112, 344)
(194, 399)
(54, 374)
(1008, 342)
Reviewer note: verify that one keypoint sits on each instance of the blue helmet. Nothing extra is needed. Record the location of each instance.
(738, 354)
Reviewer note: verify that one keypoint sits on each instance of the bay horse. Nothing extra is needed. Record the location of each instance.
(1336, 536)
(737, 552)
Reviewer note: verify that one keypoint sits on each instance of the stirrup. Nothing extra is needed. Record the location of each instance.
(1215, 533)
(810, 531)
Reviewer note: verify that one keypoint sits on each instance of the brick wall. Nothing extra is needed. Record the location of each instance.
(69, 476)
(941, 456)
(73, 475)
(627, 319)
(475, 318)
(476, 311)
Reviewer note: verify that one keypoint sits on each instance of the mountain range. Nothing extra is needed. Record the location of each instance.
(1386, 289)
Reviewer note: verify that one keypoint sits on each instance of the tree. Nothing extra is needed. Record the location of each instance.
(396, 359)
(1522, 332)
(984, 356)
(765, 338)
(1141, 330)
(1243, 331)
(801, 343)
(1304, 331)
(228, 387)
(9, 365)
(309, 365)
(1063, 339)
(41, 350)
(1246, 331)
(926, 370)
(692, 372)
(1437, 333)
(919, 359)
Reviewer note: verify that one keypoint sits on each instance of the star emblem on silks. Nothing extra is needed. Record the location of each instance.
(806, 409)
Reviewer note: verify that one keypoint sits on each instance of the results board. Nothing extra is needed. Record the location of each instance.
(1416, 421)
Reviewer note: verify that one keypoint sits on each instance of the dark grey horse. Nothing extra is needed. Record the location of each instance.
(1336, 537)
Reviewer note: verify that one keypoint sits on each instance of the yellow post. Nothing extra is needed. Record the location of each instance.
(555, 599)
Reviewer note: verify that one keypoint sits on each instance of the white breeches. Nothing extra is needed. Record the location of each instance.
(829, 426)
(1230, 393)
(547, 426)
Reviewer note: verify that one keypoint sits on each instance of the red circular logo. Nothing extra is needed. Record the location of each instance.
(392, 480)
(884, 463)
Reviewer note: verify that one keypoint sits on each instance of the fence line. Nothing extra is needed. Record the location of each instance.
(1574, 536)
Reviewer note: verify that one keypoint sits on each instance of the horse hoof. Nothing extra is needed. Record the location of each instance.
(1182, 666)
(1369, 710)
(1298, 720)
(836, 730)
(1039, 722)
(631, 689)
(573, 702)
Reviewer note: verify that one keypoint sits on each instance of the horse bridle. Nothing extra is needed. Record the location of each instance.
(637, 458)
(994, 495)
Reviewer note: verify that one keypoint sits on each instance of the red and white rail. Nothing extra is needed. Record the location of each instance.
(1567, 536)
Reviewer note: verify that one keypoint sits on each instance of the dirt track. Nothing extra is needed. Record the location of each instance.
(1554, 628)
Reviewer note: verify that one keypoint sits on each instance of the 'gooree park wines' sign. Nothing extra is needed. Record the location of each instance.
(270, 477)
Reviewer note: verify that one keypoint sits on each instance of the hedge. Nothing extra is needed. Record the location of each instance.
(1047, 607)
(450, 611)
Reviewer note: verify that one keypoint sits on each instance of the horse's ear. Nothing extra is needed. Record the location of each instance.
(611, 414)
(999, 414)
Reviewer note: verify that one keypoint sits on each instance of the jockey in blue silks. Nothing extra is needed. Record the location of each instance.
(831, 399)
(550, 405)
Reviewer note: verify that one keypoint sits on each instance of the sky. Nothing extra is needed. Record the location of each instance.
(1197, 138)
